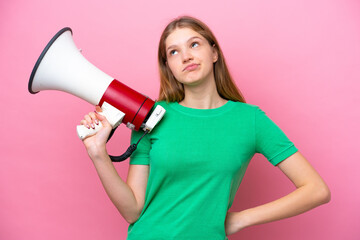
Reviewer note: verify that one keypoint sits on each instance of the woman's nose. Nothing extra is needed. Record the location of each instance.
(186, 56)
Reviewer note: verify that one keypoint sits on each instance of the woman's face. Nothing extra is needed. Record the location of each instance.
(190, 57)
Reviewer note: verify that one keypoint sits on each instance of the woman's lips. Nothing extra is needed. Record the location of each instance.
(191, 67)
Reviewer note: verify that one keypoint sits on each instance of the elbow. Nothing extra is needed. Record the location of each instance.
(323, 194)
(132, 218)
(132, 214)
(327, 195)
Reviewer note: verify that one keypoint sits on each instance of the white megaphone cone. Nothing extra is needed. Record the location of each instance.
(61, 66)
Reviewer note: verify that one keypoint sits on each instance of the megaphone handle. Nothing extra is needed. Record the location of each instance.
(84, 132)
(112, 114)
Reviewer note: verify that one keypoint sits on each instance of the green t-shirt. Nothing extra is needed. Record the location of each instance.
(197, 159)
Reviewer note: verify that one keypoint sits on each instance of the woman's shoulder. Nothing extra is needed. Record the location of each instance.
(164, 104)
(241, 106)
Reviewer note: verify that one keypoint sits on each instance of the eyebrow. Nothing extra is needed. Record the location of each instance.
(190, 39)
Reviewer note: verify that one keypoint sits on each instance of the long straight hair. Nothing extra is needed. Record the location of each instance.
(172, 90)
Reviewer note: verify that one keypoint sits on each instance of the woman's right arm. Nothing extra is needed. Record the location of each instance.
(128, 197)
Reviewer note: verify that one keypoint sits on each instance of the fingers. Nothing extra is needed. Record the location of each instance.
(101, 117)
(94, 118)
(90, 120)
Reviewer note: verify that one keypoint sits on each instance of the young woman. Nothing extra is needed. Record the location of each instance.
(184, 175)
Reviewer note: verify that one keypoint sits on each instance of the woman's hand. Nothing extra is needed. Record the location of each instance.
(96, 144)
(234, 222)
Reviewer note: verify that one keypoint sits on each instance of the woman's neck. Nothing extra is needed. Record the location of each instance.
(202, 97)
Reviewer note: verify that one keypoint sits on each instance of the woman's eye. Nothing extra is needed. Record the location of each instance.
(173, 52)
(194, 44)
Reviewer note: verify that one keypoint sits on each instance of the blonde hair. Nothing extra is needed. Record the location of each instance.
(173, 91)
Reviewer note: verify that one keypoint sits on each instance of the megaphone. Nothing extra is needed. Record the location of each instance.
(62, 67)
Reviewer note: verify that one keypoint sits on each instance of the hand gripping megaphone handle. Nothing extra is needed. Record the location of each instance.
(112, 114)
(84, 132)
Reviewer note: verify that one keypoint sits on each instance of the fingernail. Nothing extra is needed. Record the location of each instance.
(93, 126)
(87, 125)
(97, 122)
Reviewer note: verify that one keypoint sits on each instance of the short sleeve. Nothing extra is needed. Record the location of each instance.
(141, 155)
(271, 141)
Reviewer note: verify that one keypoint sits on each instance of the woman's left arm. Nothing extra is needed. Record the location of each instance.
(311, 191)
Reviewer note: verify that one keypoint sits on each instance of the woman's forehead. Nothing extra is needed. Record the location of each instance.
(180, 36)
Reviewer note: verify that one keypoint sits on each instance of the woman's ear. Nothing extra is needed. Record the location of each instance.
(215, 53)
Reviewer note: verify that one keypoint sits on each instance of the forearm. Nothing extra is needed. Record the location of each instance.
(118, 191)
(301, 200)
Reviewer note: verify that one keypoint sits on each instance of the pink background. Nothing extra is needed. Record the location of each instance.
(298, 60)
